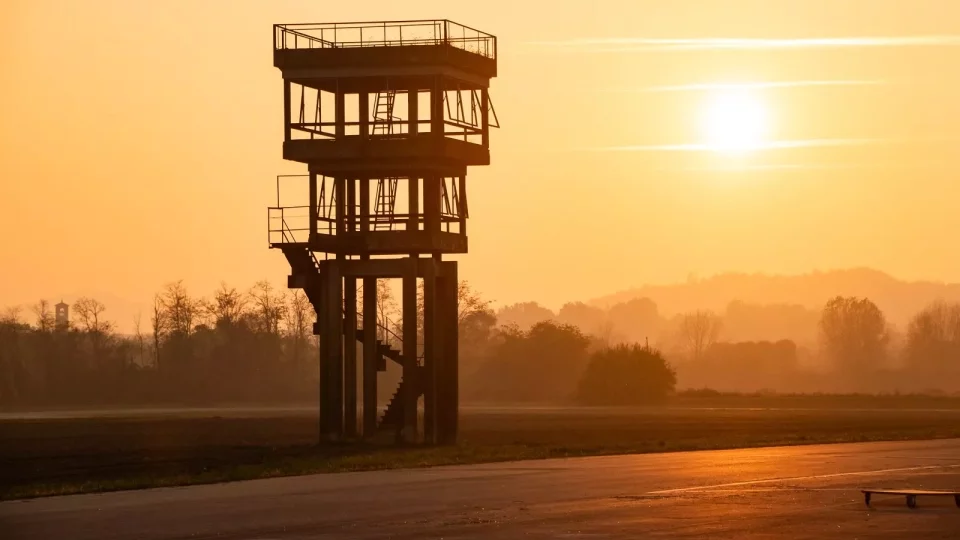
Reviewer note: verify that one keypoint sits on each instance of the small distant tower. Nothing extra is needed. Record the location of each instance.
(386, 117)
(62, 317)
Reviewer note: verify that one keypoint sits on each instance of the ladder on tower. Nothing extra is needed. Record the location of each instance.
(384, 216)
(383, 117)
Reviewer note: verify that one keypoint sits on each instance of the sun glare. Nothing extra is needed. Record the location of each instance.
(734, 120)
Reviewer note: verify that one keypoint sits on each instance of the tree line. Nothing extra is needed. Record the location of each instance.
(234, 346)
(854, 348)
(256, 346)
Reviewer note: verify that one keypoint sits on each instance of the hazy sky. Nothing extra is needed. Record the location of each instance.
(139, 142)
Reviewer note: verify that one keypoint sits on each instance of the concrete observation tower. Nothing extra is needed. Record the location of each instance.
(387, 116)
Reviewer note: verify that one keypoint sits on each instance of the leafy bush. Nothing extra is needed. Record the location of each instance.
(626, 375)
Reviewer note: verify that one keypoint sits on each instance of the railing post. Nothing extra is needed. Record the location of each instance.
(313, 207)
(286, 111)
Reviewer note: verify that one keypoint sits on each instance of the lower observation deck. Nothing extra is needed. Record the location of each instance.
(384, 243)
(357, 154)
(287, 227)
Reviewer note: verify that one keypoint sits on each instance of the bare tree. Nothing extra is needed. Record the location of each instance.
(181, 310)
(45, 319)
(10, 315)
(698, 331)
(228, 305)
(300, 315)
(854, 333)
(269, 307)
(90, 315)
(160, 324)
(386, 309)
(138, 335)
(469, 302)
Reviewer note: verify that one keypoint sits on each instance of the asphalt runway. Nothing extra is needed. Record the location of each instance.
(808, 492)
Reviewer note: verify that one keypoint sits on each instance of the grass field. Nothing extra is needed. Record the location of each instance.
(61, 456)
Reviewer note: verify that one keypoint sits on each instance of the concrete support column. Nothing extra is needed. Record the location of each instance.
(364, 203)
(448, 391)
(350, 356)
(413, 203)
(370, 356)
(340, 194)
(485, 117)
(410, 368)
(431, 203)
(431, 349)
(364, 114)
(413, 111)
(286, 110)
(321, 329)
(339, 111)
(436, 108)
(333, 284)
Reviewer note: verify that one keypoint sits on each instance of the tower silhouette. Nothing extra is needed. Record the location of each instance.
(387, 116)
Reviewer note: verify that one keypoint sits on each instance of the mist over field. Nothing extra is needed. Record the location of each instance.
(850, 331)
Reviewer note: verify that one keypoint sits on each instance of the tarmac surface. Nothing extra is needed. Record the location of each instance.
(785, 492)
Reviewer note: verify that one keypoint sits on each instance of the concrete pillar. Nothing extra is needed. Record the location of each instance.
(413, 111)
(431, 350)
(410, 369)
(323, 332)
(364, 114)
(364, 202)
(334, 337)
(339, 110)
(436, 108)
(286, 110)
(448, 390)
(340, 194)
(431, 203)
(350, 356)
(370, 356)
(485, 117)
(413, 203)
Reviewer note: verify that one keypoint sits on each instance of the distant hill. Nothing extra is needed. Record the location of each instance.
(897, 298)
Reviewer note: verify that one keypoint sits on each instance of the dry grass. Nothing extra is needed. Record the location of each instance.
(50, 457)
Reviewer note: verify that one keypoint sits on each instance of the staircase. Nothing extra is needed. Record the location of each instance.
(304, 262)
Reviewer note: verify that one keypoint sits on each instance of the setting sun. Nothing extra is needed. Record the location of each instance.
(734, 120)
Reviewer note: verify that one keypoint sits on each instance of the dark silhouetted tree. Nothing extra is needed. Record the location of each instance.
(626, 375)
(44, 316)
(160, 326)
(524, 315)
(854, 334)
(589, 319)
(227, 307)
(933, 344)
(542, 364)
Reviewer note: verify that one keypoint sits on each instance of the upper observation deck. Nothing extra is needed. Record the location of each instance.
(353, 56)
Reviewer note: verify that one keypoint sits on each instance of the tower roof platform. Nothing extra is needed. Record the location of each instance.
(360, 53)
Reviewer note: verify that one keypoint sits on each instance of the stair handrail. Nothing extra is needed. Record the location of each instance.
(382, 326)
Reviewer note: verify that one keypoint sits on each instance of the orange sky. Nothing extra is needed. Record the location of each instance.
(140, 141)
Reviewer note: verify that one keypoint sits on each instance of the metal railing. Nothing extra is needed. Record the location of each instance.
(384, 34)
(279, 228)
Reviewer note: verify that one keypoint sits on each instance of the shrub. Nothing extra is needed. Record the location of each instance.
(626, 375)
